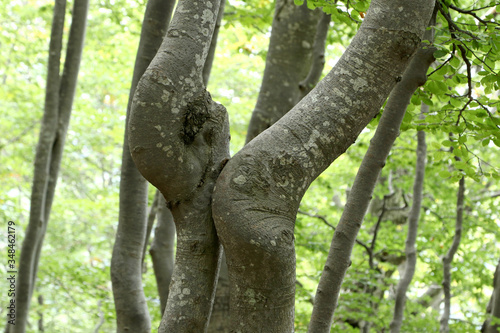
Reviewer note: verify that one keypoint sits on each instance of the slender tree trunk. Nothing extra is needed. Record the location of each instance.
(493, 309)
(448, 258)
(162, 251)
(132, 313)
(213, 44)
(59, 96)
(359, 198)
(410, 250)
(259, 190)
(151, 217)
(179, 139)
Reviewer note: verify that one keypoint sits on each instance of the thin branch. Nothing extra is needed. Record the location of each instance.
(471, 13)
(452, 25)
(325, 221)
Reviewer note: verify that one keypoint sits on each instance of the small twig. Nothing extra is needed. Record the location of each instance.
(469, 72)
(452, 25)
(470, 12)
(444, 63)
(322, 218)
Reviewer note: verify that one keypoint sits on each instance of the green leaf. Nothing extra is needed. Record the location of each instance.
(444, 174)
(440, 53)
(455, 62)
(446, 143)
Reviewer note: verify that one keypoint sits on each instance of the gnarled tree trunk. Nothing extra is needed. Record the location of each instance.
(179, 139)
(260, 188)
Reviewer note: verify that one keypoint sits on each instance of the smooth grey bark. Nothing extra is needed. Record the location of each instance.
(338, 260)
(162, 251)
(259, 190)
(60, 91)
(493, 309)
(448, 258)
(318, 59)
(411, 238)
(179, 140)
(132, 313)
(288, 62)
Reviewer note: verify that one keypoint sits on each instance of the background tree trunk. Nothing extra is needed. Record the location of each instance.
(448, 258)
(411, 238)
(260, 188)
(288, 61)
(126, 264)
(162, 251)
(493, 309)
(60, 91)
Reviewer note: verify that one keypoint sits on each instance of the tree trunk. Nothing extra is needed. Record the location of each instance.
(318, 59)
(162, 251)
(179, 139)
(126, 264)
(448, 258)
(260, 188)
(213, 44)
(287, 48)
(288, 62)
(151, 217)
(410, 250)
(60, 91)
(493, 310)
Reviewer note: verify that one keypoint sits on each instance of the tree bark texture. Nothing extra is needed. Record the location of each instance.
(179, 140)
(318, 60)
(493, 310)
(132, 313)
(411, 238)
(338, 260)
(162, 251)
(60, 91)
(288, 61)
(259, 191)
(448, 258)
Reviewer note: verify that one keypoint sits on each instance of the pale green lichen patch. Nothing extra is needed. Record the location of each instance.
(240, 180)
